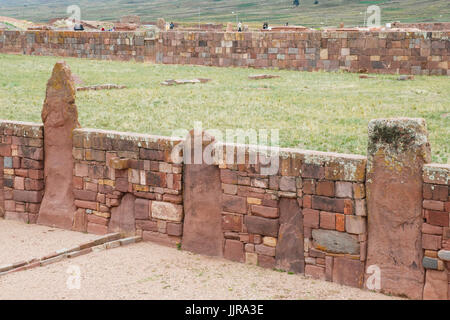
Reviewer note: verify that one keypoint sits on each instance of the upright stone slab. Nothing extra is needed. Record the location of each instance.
(202, 194)
(60, 118)
(397, 151)
(290, 248)
(122, 217)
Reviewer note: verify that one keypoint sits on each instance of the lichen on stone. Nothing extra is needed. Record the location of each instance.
(398, 136)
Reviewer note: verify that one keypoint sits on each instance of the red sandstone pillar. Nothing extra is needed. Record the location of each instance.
(60, 117)
(202, 194)
(397, 150)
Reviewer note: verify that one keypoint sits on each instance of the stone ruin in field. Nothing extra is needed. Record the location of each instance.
(379, 222)
(389, 51)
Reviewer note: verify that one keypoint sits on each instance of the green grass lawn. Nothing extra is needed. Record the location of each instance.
(325, 13)
(317, 111)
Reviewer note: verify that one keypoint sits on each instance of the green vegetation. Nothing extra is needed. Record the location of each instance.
(317, 111)
(326, 12)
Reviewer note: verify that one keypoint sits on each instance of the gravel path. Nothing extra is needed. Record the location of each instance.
(20, 241)
(150, 271)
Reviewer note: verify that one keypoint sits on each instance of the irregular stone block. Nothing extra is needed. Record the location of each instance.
(328, 204)
(355, 224)
(60, 118)
(262, 226)
(118, 163)
(266, 212)
(430, 263)
(348, 272)
(335, 241)
(234, 250)
(122, 217)
(315, 272)
(80, 221)
(142, 210)
(234, 204)
(167, 211)
(397, 151)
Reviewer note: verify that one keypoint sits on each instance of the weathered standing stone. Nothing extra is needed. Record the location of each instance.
(202, 202)
(335, 241)
(398, 149)
(60, 118)
(289, 252)
(122, 217)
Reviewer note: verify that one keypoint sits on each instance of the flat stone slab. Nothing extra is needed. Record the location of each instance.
(101, 87)
(262, 76)
(405, 77)
(172, 82)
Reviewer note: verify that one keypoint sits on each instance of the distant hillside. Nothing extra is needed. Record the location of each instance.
(326, 12)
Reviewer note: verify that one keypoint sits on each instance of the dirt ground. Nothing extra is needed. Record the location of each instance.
(20, 241)
(151, 271)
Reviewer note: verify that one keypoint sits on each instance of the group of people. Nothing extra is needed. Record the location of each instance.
(79, 27)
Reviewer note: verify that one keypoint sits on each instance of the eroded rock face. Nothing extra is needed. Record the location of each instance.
(436, 285)
(398, 149)
(289, 252)
(202, 230)
(60, 118)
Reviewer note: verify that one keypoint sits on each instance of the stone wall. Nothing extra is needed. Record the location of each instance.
(354, 51)
(124, 46)
(379, 222)
(325, 189)
(309, 217)
(22, 160)
(436, 231)
(376, 52)
(127, 183)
